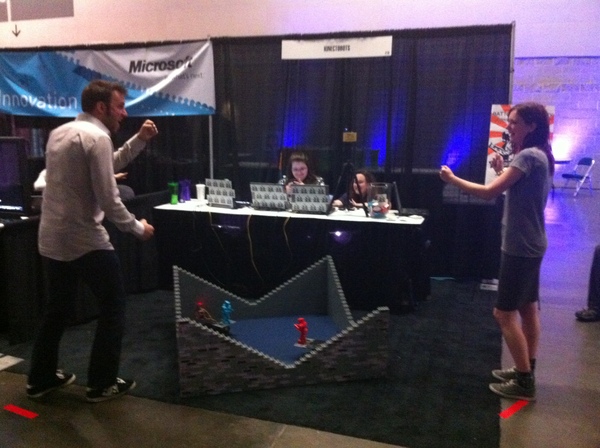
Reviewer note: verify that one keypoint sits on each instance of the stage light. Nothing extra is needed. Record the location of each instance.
(563, 146)
(341, 236)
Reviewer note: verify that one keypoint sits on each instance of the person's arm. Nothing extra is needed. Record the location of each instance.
(40, 182)
(134, 146)
(506, 178)
(356, 204)
(107, 194)
(341, 201)
(288, 186)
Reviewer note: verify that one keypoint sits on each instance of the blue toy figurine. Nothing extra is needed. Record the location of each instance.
(226, 310)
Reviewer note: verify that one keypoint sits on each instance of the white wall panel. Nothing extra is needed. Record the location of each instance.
(543, 27)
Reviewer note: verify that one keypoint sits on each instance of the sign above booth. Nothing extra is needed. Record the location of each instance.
(365, 47)
(161, 80)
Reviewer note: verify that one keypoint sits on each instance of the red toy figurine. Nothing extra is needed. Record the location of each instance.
(302, 327)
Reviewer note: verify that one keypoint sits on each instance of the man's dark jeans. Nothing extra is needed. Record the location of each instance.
(101, 271)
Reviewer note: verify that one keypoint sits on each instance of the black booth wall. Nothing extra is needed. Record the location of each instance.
(427, 104)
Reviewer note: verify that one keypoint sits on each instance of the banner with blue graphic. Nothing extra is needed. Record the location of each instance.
(161, 80)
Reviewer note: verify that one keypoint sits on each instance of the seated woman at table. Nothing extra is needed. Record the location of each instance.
(357, 195)
(298, 172)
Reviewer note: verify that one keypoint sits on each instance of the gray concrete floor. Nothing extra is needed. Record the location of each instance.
(65, 420)
(567, 413)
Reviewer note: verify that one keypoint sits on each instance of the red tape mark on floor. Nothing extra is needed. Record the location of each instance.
(514, 408)
(20, 411)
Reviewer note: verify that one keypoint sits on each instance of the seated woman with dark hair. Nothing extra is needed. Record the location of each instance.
(357, 194)
(298, 172)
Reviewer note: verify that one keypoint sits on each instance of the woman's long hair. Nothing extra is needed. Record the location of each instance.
(540, 136)
(358, 197)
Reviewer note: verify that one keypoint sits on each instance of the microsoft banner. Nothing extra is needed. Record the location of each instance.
(161, 80)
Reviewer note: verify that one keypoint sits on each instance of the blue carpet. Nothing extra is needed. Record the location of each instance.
(276, 337)
(435, 392)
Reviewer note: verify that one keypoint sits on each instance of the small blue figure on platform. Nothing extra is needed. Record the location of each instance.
(226, 310)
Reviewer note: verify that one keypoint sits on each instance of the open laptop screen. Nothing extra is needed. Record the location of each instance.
(15, 188)
(266, 196)
(309, 198)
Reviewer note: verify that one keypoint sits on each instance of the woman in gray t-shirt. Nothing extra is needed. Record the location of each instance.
(526, 182)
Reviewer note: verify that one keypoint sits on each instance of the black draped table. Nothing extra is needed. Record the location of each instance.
(379, 262)
(22, 292)
(21, 281)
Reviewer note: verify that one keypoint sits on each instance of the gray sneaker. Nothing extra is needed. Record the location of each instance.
(512, 389)
(505, 374)
(121, 387)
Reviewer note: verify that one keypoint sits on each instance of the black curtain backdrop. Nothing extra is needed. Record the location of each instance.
(427, 104)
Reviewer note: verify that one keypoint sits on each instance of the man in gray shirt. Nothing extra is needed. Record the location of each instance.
(80, 192)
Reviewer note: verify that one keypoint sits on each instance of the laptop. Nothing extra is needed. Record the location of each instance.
(310, 198)
(402, 211)
(220, 193)
(15, 187)
(267, 196)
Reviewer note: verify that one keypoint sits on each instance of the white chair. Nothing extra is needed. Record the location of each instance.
(580, 174)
